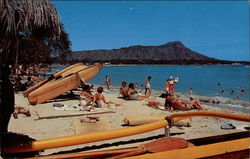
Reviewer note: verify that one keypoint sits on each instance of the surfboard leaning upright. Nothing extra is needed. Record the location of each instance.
(71, 69)
(57, 87)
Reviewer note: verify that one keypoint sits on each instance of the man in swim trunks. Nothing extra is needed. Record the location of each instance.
(123, 90)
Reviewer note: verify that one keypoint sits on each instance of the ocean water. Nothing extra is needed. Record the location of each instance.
(203, 79)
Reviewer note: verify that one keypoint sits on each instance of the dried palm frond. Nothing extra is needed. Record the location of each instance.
(25, 15)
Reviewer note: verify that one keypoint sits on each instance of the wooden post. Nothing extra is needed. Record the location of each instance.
(72, 115)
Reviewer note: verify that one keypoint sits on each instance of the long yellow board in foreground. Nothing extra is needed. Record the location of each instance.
(112, 134)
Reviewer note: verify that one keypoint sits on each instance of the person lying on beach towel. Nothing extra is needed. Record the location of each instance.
(20, 110)
(183, 105)
(100, 100)
(133, 94)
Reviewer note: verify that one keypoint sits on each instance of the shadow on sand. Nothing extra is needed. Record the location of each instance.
(10, 139)
(64, 97)
(97, 147)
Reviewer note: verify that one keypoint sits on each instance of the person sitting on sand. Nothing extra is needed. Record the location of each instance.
(86, 95)
(183, 105)
(133, 94)
(100, 100)
(123, 90)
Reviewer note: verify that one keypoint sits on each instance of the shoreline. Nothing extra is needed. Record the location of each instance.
(233, 64)
(221, 102)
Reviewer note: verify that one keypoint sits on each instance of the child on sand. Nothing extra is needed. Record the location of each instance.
(100, 100)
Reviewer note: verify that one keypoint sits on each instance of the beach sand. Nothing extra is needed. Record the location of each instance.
(58, 127)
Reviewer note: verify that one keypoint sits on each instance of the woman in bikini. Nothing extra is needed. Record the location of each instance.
(100, 100)
(183, 105)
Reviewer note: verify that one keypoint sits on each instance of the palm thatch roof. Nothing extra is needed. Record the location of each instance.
(25, 15)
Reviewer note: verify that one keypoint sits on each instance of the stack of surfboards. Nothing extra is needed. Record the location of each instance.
(61, 82)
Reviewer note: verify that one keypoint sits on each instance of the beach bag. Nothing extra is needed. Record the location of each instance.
(227, 126)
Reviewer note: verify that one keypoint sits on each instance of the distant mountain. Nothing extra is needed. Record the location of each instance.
(169, 53)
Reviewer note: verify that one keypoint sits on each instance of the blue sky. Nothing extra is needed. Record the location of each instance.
(218, 29)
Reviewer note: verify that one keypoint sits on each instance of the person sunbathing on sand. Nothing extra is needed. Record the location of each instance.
(100, 100)
(133, 94)
(183, 105)
(20, 110)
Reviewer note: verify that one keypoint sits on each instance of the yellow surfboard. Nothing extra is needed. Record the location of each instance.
(57, 87)
(69, 70)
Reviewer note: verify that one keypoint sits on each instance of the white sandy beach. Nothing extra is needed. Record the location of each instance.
(58, 127)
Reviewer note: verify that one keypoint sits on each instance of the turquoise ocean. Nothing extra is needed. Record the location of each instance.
(207, 80)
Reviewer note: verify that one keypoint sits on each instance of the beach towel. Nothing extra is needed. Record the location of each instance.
(83, 107)
(59, 106)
